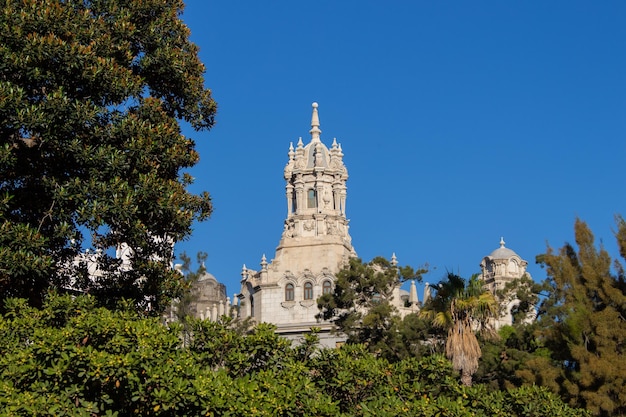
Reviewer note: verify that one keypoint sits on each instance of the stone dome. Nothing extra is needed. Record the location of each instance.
(207, 277)
(316, 151)
(502, 252)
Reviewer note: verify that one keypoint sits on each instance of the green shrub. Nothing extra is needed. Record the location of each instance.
(71, 358)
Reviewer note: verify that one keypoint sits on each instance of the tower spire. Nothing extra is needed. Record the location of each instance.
(315, 125)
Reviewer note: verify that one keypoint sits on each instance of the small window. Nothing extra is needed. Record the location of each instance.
(308, 291)
(327, 287)
(289, 293)
(311, 199)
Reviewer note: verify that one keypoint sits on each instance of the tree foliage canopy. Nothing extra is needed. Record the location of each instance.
(361, 305)
(91, 96)
(74, 358)
(582, 323)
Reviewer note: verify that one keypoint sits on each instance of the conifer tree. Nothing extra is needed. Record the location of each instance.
(91, 152)
(583, 324)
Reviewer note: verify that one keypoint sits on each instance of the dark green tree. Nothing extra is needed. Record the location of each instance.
(504, 357)
(462, 308)
(361, 305)
(582, 322)
(92, 93)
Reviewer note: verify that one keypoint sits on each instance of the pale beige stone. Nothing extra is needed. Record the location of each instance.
(315, 243)
(499, 268)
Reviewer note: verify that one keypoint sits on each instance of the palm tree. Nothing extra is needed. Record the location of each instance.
(464, 309)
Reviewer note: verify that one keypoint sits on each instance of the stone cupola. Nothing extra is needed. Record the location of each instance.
(501, 266)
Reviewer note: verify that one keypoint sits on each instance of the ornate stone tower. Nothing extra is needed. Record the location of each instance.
(315, 242)
(316, 206)
(499, 268)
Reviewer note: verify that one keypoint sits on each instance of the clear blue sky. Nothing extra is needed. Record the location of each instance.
(460, 122)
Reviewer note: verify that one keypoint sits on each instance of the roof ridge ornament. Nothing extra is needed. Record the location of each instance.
(315, 124)
(501, 241)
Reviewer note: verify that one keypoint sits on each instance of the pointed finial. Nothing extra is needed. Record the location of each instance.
(394, 260)
(315, 125)
(334, 145)
(263, 263)
(427, 294)
(413, 300)
(501, 242)
(300, 144)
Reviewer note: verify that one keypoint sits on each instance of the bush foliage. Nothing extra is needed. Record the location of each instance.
(74, 358)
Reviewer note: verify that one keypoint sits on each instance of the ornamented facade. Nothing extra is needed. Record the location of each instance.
(315, 245)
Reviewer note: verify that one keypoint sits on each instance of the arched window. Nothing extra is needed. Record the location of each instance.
(251, 306)
(327, 287)
(289, 293)
(311, 199)
(308, 291)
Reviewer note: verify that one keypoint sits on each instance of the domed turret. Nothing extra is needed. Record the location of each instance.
(210, 300)
(501, 266)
